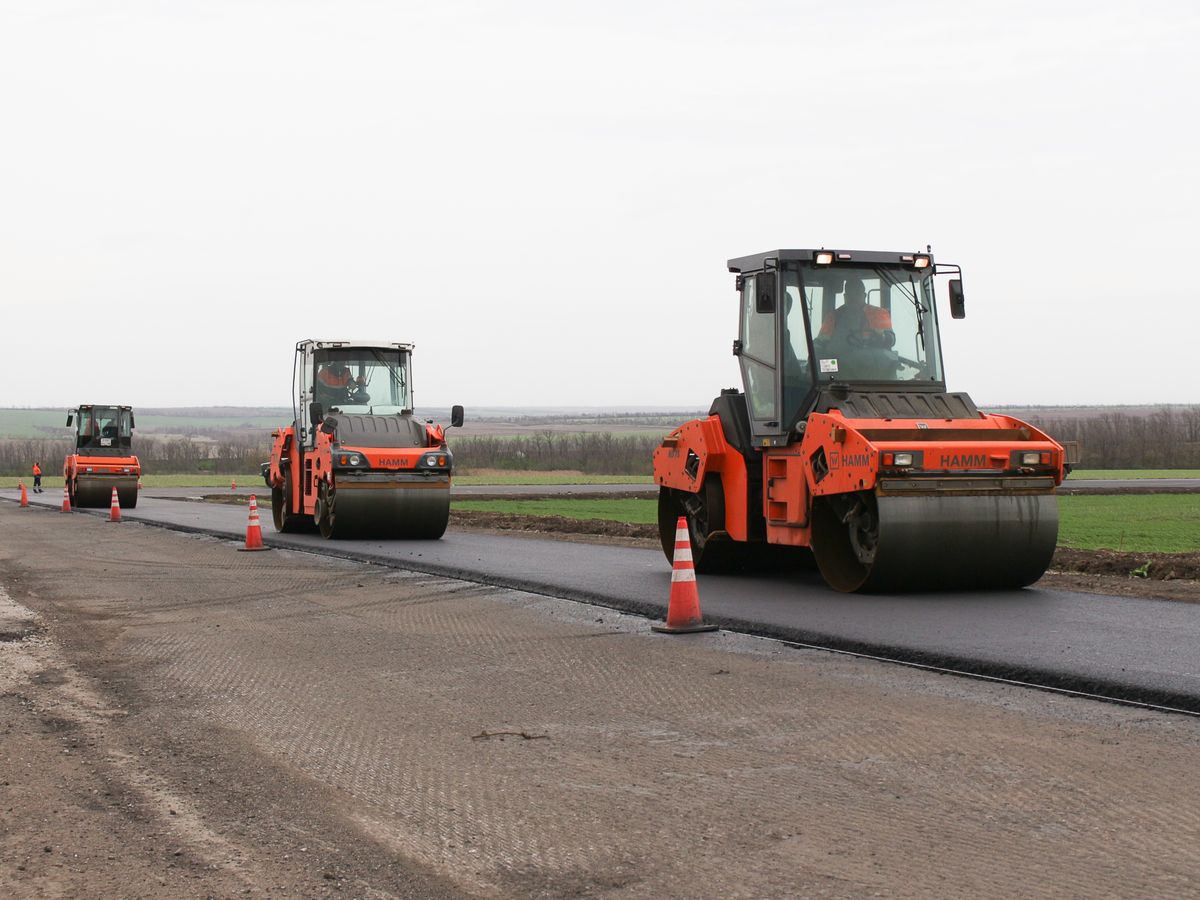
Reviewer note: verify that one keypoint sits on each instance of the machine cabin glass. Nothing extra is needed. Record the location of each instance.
(868, 325)
(104, 428)
(757, 351)
(362, 380)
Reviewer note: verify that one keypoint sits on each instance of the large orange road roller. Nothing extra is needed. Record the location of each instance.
(846, 443)
(355, 462)
(103, 457)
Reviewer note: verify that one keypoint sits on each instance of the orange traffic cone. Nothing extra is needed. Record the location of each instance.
(254, 528)
(233, 485)
(114, 509)
(24, 496)
(683, 609)
(139, 484)
(66, 507)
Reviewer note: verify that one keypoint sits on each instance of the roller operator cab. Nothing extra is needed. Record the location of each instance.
(846, 443)
(355, 461)
(102, 457)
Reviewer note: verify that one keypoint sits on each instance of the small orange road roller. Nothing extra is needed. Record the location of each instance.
(103, 457)
(845, 442)
(355, 462)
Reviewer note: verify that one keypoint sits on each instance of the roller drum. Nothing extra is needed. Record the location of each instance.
(92, 492)
(938, 542)
(412, 510)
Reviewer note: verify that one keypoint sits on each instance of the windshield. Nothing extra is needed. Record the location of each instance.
(867, 324)
(103, 426)
(364, 380)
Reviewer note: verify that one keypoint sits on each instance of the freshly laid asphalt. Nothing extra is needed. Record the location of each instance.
(1122, 648)
(645, 489)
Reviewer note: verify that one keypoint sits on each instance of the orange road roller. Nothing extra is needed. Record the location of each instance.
(355, 462)
(845, 444)
(103, 457)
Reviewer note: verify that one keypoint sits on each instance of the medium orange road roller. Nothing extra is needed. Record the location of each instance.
(845, 443)
(355, 462)
(103, 457)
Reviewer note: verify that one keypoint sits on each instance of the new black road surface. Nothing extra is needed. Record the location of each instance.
(1123, 648)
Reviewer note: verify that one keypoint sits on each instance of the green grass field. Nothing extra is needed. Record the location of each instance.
(51, 423)
(633, 511)
(1165, 523)
(550, 478)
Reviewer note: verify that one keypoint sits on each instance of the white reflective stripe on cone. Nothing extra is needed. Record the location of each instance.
(683, 553)
(683, 575)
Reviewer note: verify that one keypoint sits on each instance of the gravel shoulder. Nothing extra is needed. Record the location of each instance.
(181, 719)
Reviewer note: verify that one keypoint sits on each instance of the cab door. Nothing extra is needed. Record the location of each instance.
(757, 349)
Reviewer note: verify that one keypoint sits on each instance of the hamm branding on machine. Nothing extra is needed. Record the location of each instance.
(845, 447)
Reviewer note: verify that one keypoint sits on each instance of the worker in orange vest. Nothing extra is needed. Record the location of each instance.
(336, 384)
(37, 478)
(856, 322)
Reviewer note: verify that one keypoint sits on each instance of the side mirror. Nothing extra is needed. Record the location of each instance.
(70, 419)
(456, 416)
(958, 304)
(764, 293)
(131, 423)
(316, 413)
(329, 426)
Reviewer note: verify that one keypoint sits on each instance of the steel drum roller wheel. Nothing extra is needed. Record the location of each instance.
(412, 511)
(712, 549)
(277, 511)
(96, 493)
(933, 542)
(669, 511)
(281, 505)
(326, 514)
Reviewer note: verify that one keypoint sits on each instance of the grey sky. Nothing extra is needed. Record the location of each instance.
(542, 196)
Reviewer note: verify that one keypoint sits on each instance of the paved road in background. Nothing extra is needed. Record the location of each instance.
(1119, 647)
(642, 489)
(1131, 486)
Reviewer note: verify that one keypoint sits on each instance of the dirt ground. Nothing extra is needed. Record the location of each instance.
(181, 719)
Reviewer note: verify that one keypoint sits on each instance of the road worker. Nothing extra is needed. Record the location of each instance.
(856, 322)
(336, 384)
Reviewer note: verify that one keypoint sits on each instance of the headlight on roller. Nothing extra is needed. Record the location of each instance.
(902, 459)
(1031, 459)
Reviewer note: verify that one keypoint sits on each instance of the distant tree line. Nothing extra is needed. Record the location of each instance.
(230, 454)
(1168, 438)
(595, 453)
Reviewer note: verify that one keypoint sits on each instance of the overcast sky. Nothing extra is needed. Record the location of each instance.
(542, 196)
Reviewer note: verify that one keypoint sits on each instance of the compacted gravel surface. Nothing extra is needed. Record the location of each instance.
(178, 718)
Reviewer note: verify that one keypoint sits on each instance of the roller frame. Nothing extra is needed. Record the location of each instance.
(367, 503)
(967, 529)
